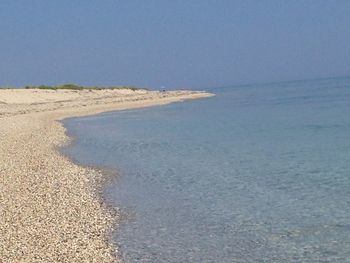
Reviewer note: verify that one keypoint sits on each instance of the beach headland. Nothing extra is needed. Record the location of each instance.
(50, 210)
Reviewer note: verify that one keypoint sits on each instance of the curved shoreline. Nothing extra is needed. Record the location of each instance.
(50, 209)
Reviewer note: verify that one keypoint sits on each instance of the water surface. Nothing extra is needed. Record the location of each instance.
(259, 173)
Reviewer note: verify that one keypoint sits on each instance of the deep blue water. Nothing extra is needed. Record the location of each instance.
(259, 173)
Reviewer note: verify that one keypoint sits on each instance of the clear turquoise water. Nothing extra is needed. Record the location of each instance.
(259, 173)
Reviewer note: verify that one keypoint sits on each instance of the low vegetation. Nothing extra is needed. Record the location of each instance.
(78, 87)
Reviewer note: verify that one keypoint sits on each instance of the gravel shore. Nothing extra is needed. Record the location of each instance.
(50, 209)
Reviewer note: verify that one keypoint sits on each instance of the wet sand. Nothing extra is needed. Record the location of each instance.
(50, 210)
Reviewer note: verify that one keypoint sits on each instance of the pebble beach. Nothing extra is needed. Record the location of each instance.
(50, 208)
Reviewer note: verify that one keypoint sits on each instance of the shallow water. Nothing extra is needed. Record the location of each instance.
(259, 173)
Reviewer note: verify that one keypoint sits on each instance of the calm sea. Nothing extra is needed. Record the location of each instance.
(259, 173)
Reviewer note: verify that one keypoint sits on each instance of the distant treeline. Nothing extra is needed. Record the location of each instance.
(78, 87)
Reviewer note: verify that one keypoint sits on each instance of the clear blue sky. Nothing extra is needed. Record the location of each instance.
(172, 43)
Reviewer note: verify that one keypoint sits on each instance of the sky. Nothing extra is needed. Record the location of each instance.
(172, 43)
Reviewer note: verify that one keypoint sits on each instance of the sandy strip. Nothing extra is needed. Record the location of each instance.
(50, 210)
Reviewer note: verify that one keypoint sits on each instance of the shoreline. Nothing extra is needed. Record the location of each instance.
(50, 207)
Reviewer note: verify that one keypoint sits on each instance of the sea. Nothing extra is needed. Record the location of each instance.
(258, 173)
